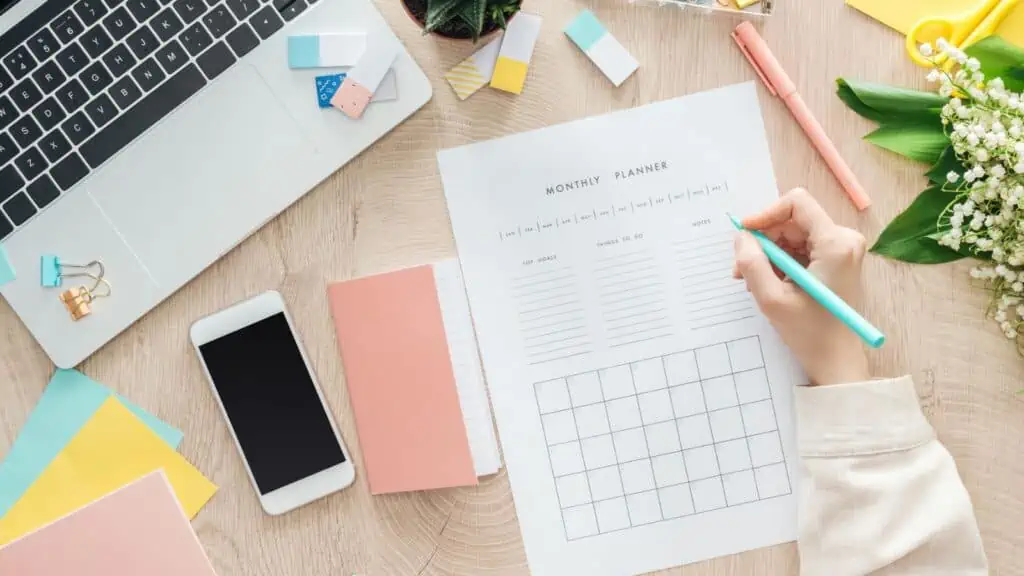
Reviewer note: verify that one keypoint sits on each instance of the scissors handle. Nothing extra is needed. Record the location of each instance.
(916, 37)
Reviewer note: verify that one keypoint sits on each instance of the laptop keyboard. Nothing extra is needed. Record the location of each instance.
(80, 80)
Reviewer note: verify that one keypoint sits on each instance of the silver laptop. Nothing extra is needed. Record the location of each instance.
(155, 135)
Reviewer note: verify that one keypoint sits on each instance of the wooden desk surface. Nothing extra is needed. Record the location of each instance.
(386, 210)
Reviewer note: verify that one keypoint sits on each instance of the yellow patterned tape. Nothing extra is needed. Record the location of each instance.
(465, 79)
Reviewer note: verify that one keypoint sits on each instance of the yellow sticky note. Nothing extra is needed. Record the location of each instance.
(509, 75)
(113, 449)
(902, 15)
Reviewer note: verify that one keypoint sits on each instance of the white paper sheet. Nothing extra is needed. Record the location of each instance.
(628, 371)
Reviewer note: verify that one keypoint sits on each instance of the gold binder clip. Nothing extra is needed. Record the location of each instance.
(78, 300)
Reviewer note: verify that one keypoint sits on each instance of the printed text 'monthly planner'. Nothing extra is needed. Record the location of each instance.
(644, 404)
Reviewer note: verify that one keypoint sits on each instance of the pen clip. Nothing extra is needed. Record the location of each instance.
(753, 62)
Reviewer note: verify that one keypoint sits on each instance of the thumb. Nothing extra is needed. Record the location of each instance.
(753, 265)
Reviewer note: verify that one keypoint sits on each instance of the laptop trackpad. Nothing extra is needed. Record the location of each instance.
(205, 178)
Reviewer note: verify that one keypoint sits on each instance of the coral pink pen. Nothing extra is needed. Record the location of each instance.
(779, 84)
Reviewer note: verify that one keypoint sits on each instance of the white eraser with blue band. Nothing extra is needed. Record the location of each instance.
(614, 61)
(325, 50)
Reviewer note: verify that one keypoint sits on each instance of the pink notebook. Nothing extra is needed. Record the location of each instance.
(414, 379)
(139, 529)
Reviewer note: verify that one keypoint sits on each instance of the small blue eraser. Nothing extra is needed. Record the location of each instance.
(49, 271)
(585, 30)
(6, 268)
(326, 87)
(303, 52)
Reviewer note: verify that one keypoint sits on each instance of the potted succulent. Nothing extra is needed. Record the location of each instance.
(462, 19)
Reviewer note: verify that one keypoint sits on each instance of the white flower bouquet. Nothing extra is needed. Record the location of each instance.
(972, 133)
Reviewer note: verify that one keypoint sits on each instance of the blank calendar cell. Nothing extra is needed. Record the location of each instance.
(752, 386)
(687, 399)
(649, 375)
(630, 445)
(617, 382)
(707, 494)
(591, 420)
(612, 514)
(637, 476)
(598, 452)
(644, 508)
(552, 396)
(580, 522)
(573, 490)
(739, 487)
(605, 483)
(745, 354)
(759, 417)
(559, 427)
(669, 469)
(694, 431)
(681, 368)
(585, 389)
(719, 392)
(662, 438)
(676, 501)
(733, 456)
(726, 424)
(772, 480)
(566, 458)
(765, 449)
(713, 361)
(656, 407)
(623, 413)
(701, 463)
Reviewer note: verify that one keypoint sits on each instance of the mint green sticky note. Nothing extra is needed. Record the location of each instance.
(6, 269)
(69, 401)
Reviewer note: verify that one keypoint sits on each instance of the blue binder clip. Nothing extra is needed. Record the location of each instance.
(53, 271)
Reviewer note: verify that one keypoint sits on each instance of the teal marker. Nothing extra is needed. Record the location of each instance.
(816, 289)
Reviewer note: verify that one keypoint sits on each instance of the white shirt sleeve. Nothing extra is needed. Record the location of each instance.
(878, 493)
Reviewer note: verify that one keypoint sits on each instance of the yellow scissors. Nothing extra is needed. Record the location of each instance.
(961, 30)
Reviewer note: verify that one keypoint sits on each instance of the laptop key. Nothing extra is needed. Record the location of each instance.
(219, 20)
(69, 171)
(243, 8)
(242, 40)
(49, 77)
(143, 42)
(31, 163)
(266, 22)
(147, 112)
(119, 60)
(125, 93)
(19, 209)
(19, 62)
(43, 191)
(8, 149)
(26, 95)
(90, 11)
(96, 41)
(196, 39)
(5, 227)
(142, 9)
(114, 3)
(101, 110)
(43, 44)
(166, 24)
(25, 131)
(190, 10)
(289, 9)
(96, 78)
(48, 114)
(119, 24)
(67, 27)
(5, 80)
(72, 59)
(55, 145)
(216, 60)
(72, 96)
(7, 112)
(148, 74)
(172, 56)
(78, 128)
(10, 182)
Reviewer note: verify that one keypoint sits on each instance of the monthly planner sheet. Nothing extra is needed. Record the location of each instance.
(644, 404)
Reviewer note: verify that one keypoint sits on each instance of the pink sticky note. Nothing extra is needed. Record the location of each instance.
(352, 98)
(139, 529)
(400, 380)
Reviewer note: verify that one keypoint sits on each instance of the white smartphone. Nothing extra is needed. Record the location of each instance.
(270, 397)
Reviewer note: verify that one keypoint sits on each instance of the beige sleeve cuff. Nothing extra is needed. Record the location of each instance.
(860, 418)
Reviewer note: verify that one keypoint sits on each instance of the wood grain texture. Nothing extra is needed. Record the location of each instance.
(386, 210)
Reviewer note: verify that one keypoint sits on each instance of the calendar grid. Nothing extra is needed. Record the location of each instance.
(662, 438)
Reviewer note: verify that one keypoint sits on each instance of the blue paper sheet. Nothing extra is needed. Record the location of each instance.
(70, 399)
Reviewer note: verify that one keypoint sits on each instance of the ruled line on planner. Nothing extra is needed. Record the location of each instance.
(714, 324)
(648, 339)
(538, 362)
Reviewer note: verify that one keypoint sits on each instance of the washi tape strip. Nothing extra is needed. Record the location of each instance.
(614, 61)
(325, 50)
(474, 72)
(358, 88)
(516, 52)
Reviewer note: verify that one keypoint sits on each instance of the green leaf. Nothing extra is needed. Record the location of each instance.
(907, 239)
(1000, 58)
(473, 15)
(439, 12)
(923, 143)
(884, 104)
(947, 163)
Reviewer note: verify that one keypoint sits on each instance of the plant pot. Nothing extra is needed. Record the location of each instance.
(417, 10)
